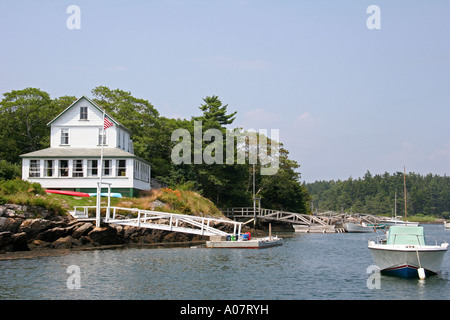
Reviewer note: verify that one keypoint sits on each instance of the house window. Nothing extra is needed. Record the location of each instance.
(48, 168)
(92, 168)
(106, 167)
(121, 168)
(83, 113)
(35, 168)
(63, 168)
(64, 136)
(101, 137)
(77, 169)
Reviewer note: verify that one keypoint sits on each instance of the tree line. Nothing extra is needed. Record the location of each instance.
(375, 194)
(24, 115)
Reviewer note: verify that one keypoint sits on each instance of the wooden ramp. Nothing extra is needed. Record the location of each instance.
(308, 223)
(167, 221)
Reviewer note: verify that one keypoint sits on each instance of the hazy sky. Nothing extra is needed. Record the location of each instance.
(346, 99)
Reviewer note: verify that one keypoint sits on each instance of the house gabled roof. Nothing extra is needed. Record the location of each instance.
(117, 123)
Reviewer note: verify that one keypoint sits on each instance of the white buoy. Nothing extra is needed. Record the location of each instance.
(421, 272)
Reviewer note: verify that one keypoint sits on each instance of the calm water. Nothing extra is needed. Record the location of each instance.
(307, 266)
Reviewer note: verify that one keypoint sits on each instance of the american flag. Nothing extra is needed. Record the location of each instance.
(107, 123)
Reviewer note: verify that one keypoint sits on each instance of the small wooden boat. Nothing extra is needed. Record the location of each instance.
(68, 193)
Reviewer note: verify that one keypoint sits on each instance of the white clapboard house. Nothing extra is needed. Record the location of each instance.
(73, 160)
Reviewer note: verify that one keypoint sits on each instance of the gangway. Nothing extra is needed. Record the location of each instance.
(159, 220)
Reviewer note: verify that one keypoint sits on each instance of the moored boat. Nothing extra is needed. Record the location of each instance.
(403, 252)
(358, 227)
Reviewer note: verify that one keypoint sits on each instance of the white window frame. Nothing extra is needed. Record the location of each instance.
(121, 171)
(83, 113)
(101, 133)
(49, 168)
(77, 170)
(35, 168)
(92, 170)
(65, 137)
(109, 168)
(60, 168)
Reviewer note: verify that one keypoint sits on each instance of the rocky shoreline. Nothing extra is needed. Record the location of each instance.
(34, 231)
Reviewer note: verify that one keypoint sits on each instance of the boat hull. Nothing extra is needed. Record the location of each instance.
(68, 193)
(403, 260)
(352, 227)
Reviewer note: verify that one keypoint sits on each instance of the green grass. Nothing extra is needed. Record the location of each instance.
(177, 201)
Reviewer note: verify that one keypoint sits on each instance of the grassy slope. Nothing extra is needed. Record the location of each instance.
(167, 200)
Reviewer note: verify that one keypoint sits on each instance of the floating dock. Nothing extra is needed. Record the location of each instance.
(315, 228)
(256, 243)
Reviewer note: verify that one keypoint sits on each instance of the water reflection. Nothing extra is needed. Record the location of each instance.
(312, 266)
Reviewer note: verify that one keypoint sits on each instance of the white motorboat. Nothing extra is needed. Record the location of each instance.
(403, 252)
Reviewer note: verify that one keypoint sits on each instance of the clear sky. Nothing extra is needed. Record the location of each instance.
(346, 99)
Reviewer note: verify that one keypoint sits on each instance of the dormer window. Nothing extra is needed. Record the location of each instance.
(83, 113)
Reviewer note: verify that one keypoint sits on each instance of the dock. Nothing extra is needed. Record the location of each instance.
(255, 243)
(325, 222)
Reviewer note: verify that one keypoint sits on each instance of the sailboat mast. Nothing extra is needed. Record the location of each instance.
(404, 186)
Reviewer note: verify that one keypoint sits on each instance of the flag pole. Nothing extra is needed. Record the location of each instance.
(99, 183)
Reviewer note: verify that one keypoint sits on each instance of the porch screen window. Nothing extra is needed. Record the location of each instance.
(106, 167)
(35, 168)
(121, 168)
(63, 168)
(92, 168)
(77, 170)
(48, 168)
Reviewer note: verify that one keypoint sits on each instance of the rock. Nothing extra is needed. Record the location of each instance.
(39, 244)
(19, 242)
(5, 240)
(10, 224)
(82, 230)
(13, 241)
(63, 243)
(51, 235)
(34, 226)
(104, 235)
